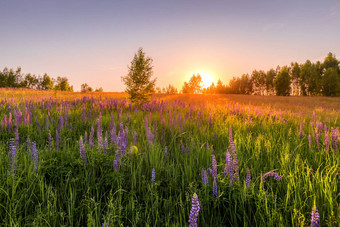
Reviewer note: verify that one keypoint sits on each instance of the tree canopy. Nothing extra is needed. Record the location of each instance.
(139, 84)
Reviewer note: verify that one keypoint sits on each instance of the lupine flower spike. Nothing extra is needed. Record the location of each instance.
(195, 209)
(153, 175)
(248, 178)
(315, 217)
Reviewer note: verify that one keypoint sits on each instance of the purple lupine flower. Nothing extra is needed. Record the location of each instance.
(49, 141)
(106, 144)
(35, 157)
(115, 165)
(105, 224)
(38, 124)
(315, 217)
(335, 138)
(16, 135)
(301, 131)
(82, 151)
(153, 175)
(148, 132)
(61, 123)
(248, 178)
(91, 137)
(271, 174)
(230, 134)
(326, 141)
(235, 161)
(182, 147)
(317, 138)
(209, 171)
(57, 139)
(195, 209)
(310, 141)
(215, 193)
(204, 177)
(12, 155)
(214, 166)
(28, 144)
(99, 135)
(9, 121)
(278, 177)
(229, 170)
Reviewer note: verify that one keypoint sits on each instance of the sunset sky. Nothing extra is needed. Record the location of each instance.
(94, 41)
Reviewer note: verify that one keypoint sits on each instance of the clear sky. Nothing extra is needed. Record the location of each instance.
(94, 41)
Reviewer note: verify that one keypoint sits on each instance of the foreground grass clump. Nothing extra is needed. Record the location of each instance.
(85, 160)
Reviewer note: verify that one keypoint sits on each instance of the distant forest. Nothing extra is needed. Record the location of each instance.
(308, 79)
(16, 79)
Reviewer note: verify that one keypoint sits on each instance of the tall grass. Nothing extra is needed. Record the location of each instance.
(65, 192)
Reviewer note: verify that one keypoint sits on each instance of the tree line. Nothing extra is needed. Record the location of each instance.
(307, 79)
(16, 79)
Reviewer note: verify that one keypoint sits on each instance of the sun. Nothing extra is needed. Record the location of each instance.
(207, 79)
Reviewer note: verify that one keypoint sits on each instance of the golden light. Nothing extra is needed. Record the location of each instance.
(207, 79)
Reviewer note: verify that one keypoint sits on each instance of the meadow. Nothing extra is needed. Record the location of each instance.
(93, 159)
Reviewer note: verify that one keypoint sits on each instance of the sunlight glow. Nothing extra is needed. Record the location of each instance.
(207, 79)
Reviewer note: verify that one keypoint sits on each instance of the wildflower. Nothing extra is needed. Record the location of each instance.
(335, 138)
(49, 141)
(310, 141)
(82, 150)
(153, 175)
(230, 135)
(16, 134)
(195, 209)
(182, 147)
(115, 165)
(35, 157)
(214, 187)
(315, 217)
(57, 139)
(229, 170)
(301, 132)
(248, 178)
(12, 155)
(235, 161)
(326, 142)
(209, 171)
(105, 224)
(214, 167)
(205, 178)
(271, 174)
(106, 144)
(99, 135)
(91, 137)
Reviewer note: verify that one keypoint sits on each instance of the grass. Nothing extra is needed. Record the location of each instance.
(64, 192)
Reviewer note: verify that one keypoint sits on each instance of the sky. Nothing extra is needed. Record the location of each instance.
(95, 41)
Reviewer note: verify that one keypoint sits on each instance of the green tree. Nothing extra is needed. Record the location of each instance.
(85, 87)
(331, 82)
(331, 62)
(270, 78)
(139, 84)
(46, 82)
(62, 84)
(194, 86)
(310, 82)
(282, 82)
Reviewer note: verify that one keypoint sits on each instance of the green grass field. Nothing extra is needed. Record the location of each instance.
(178, 136)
